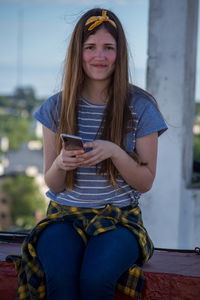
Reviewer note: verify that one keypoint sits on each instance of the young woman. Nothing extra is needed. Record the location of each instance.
(93, 239)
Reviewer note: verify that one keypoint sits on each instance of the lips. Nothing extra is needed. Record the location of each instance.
(99, 65)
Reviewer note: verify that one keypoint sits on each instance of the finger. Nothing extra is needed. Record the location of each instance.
(72, 161)
(73, 153)
(91, 163)
(88, 154)
(92, 160)
(72, 165)
(90, 145)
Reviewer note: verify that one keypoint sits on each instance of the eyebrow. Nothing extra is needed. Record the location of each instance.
(113, 44)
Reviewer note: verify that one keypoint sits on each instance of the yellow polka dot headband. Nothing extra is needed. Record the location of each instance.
(97, 20)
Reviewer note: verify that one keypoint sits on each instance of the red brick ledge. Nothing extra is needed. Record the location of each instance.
(170, 275)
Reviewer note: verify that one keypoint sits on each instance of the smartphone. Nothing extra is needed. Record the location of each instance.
(72, 142)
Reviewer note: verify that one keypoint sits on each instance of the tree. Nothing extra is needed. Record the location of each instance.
(26, 200)
(25, 98)
(4, 101)
(197, 148)
(16, 129)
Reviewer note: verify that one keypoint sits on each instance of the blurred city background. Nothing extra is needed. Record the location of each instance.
(34, 36)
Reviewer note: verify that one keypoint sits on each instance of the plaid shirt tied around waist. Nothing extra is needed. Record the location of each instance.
(87, 222)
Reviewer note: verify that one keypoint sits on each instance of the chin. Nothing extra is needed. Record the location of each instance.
(100, 78)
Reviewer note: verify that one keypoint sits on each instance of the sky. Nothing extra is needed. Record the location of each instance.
(34, 36)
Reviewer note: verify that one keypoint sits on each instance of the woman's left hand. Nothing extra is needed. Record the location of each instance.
(101, 150)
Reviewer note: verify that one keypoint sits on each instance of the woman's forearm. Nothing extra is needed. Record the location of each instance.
(139, 177)
(55, 177)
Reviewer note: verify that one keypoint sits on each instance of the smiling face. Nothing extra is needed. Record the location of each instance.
(99, 55)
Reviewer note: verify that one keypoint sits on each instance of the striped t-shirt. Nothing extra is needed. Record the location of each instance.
(91, 189)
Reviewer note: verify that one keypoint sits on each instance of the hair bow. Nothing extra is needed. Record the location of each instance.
(98, 20)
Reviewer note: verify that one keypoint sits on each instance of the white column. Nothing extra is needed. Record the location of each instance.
(167, 211)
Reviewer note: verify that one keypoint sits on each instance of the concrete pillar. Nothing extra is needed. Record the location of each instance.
(167, 210)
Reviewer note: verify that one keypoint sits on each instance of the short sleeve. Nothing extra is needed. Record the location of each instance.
(48, 113)
(149, 118)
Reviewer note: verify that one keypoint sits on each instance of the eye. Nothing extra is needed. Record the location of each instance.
(88, 47)
(110, 48)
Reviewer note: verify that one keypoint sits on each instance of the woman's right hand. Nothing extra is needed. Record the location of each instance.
(67, 159)
(56, 166)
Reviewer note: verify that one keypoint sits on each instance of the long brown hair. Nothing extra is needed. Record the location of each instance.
(117, 119)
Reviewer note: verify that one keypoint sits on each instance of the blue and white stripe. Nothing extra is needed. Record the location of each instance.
(93, 190)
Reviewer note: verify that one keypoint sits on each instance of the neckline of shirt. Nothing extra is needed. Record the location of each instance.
(92, 104)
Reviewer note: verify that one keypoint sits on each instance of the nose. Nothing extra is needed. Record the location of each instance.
(100, 53)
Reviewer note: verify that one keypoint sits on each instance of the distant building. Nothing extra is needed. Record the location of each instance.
(28, 160)
(5, 215)
(24, 158)
(4, 144)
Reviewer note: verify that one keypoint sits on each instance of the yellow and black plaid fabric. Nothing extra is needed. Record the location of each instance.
(87, 222)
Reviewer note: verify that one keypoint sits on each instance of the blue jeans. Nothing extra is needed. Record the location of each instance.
(75, 271)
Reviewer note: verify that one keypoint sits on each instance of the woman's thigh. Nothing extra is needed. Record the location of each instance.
(60, 249)
(60, 244)
(106, 257)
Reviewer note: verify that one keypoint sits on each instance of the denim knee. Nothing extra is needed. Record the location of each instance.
(96, 285)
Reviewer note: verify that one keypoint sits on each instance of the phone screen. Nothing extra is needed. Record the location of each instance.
(72, 142)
